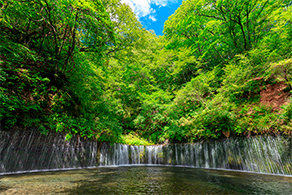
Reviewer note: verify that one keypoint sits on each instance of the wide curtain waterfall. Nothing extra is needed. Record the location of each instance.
(30, 151)
(263, 154)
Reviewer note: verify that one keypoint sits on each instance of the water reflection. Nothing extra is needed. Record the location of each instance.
(145, 180)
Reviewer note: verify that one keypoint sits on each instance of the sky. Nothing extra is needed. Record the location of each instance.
(153, 13)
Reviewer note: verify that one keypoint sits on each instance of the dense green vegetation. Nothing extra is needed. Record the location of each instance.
(89, 67)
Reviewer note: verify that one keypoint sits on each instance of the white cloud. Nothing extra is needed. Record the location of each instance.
(160, 3)
(152, 18)
(143, 8)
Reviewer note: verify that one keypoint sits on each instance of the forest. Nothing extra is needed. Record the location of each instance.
(89, 67)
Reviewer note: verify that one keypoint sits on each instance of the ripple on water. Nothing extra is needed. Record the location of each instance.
(145, 180)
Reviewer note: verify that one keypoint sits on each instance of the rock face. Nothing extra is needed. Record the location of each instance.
(274, 95)
(30, 150)
(257, 154)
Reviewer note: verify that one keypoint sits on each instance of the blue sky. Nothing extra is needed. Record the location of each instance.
(153, 13)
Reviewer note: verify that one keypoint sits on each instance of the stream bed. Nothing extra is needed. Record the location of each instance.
(145, 180)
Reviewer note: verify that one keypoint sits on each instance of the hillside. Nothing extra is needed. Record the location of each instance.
(89, 67)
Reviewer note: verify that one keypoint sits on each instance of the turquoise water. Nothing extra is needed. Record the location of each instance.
(145, 180)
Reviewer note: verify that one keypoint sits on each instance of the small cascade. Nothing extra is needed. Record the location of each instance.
(264, 154)
(32, 151)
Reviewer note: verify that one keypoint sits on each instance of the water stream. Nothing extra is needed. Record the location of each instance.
(263, 154)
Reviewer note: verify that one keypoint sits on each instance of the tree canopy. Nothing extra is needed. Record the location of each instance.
(89, 67)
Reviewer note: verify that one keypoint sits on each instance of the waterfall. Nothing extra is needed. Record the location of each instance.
(32, 151)
(263, 154)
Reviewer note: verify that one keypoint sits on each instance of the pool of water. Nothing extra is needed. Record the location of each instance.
(145, 180)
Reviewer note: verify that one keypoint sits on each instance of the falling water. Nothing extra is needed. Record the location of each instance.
(31, 151)
(264, 154)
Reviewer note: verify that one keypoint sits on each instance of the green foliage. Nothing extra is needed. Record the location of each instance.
(42, 45)
(197, 91)
(210, 120)
(152, 118)
(218, 30)
(257, 119)
(90, 68)
(132, 139)
(282, 71)
(240, 81)
(174, 68)
(3, 97)
(286, 115)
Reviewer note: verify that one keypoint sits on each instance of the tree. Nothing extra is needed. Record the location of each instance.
(218, 30)
(56, 30)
